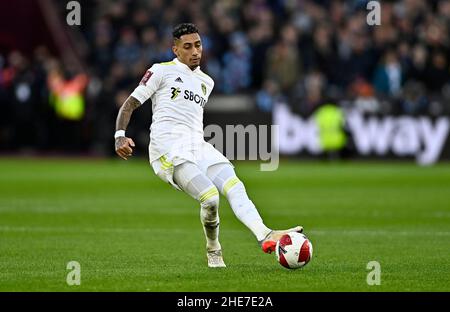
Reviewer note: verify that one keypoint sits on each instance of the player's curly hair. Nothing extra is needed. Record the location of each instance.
(184, 29)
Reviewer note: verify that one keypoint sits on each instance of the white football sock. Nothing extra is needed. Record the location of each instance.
(245, 210)
(209, 216)
(192, 181)
(225, 179)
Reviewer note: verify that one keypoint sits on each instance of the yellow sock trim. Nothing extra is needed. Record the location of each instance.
(232, 182)
(210, 193)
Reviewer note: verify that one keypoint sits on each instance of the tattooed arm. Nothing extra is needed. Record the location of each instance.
(123, 144)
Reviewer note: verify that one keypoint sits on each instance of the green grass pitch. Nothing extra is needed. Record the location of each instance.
(131, 232)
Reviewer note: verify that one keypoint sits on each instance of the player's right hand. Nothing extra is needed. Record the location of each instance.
(124, 147)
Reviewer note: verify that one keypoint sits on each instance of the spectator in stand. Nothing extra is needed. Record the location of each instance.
(414, 100)
(268, 96)
(437, 73)
(128, 49)
(388, 76)
(283, 62)
(236, 71)
(309, 93)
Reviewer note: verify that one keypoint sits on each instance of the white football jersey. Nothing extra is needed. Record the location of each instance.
(178, 95)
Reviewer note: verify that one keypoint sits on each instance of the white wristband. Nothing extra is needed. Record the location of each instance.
(119, 133)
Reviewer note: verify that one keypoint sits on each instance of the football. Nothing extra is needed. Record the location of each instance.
(293, 250)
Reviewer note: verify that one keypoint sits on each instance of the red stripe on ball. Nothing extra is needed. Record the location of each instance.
(304, 254)
(285, 240)
(283, 261)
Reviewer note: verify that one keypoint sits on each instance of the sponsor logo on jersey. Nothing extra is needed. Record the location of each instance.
(175, 92)
(179, 80)
(188, 95)
(193, 97)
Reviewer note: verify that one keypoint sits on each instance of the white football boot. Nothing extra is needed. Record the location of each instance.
(215, 259)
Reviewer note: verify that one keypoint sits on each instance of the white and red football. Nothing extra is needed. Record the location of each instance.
(293, 250)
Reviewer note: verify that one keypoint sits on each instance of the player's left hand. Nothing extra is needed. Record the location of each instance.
(124, 147)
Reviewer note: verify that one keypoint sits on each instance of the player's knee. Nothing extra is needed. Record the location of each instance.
(209, 208)
(209, 200)
(211, 205)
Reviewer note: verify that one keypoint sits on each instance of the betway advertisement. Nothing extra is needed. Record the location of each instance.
(422, 137)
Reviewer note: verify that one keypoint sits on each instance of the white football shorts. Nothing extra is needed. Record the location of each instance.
(202, 154)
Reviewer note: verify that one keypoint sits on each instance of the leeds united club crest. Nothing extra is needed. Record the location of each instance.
(204, 89)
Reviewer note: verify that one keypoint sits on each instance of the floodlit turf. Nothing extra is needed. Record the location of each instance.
(131, 232)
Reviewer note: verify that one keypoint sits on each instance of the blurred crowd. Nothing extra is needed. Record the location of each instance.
(302, 52)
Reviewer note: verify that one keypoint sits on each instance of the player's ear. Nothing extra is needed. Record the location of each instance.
(175, 47)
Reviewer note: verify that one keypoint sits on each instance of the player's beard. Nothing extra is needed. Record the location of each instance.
(195, 63)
